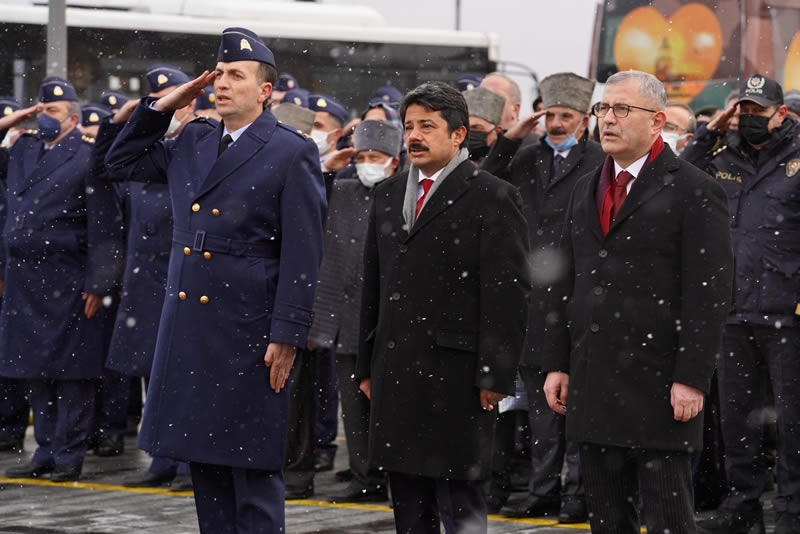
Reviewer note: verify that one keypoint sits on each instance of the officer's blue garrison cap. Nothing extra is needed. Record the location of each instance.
(92, 114)
(113, 99)
(286, 82)
(298, 97)
(54, 89)
(8, 105)
(241, 44)
(162, 76)
(207, 100)
(320, 102)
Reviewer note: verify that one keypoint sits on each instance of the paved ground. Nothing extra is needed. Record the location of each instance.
(99, 505)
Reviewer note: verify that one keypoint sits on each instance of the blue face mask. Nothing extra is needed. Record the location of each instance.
(49, 128)
(568, 143)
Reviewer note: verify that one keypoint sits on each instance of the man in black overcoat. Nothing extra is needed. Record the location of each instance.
(636, 322)
(444, 314)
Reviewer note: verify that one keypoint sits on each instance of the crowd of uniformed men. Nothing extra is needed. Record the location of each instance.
(148, 245)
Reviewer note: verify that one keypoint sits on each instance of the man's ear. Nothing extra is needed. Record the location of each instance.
(265, 92)
(459, 134)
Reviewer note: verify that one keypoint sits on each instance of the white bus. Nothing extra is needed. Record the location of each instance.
(346, 51)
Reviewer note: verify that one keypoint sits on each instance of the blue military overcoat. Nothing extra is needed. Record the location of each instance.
(50, 260)
(245, 257)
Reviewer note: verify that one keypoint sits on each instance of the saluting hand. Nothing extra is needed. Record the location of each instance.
(525, 127)
(556, 389)
(9, 121)
(723, 121)
(183, 95)
(279, 358)
(124, 113)
(686, 401)
(339, 159)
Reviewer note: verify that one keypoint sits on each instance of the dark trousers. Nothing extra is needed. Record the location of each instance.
(355, 413)
(499, 488)
(549, 449)
(112, 404)
(63, 413)
(135, 400)
(14, 409)
(232, 500)
(420, 503)
(299, 464)
(326, 397)
(751, 352)
(616, 477)
(708, 466)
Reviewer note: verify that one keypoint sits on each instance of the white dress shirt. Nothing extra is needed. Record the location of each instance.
(634, 169)
(420, 190)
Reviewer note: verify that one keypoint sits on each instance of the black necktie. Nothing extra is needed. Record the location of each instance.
(223, 144)
(557, 161)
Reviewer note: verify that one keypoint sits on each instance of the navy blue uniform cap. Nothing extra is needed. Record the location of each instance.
(207, 100)
(298, 97)
(92, 114)
(162, 76)
(388, 94)
(241, 44)
(113, 99)
(286, 82)
(54, 89)
(8, 105)
(468, 81)
(320, 102)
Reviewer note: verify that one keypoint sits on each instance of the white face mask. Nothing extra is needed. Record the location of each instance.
(8, 140)
(321, 139)
(372, 173)
(174, 124)
(671, 139)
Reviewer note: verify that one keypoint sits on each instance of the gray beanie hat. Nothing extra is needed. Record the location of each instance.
(379, 136)
(792, 100)
(485, 104)
(567, 89)
(295, 116)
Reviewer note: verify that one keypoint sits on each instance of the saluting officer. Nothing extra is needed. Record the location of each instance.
(248, 207)
(54, 280)
(148, 242)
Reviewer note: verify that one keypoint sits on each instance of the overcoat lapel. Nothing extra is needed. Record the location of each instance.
(453, 187)
(251, 141)
(54, 158)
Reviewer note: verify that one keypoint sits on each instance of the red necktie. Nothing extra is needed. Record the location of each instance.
(426, 186)
(619, 191)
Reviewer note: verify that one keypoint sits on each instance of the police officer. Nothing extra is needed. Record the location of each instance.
(14, 406)
(54, 282)
(91, 115)
(759, 167)
(546, 173)
(328, 124)
(246, 250)
(286, 82)
(149, 239)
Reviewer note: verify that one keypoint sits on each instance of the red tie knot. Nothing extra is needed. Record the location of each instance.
(623, 178)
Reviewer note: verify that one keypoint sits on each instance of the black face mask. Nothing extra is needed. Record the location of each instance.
(476, 144)
(754, 128)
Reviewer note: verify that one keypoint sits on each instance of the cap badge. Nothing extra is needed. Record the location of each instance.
(290, 84)
(244, 44)
(792, 167)
(321, 103)
(162, 79)
(94, 117)
(112, 100)
(7, 110)
(211, 97)
(296, 100)
(755, 82)
(58, 91)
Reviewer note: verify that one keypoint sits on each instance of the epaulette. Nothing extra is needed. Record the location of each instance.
(199, 119)
(293, 130)
(720, 150)
(31, 132)
(87, 139)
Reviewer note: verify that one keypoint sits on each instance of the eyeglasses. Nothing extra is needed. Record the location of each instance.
(671, 127)
(620, 110)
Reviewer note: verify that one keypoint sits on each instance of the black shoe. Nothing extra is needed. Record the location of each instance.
(728, 522)
(533, 507)
(110, 446)
(359, 492)
(29, 470)
(345, 475)
(133, 428)
(11, 445)
(494, 504)
(148, 479)
(323, 462)
(787, 523)
(573, 510)
(294, 493)
(181, 483)
(66, 473)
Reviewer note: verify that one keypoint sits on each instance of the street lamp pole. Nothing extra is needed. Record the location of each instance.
(57, 38)
(458, 15)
